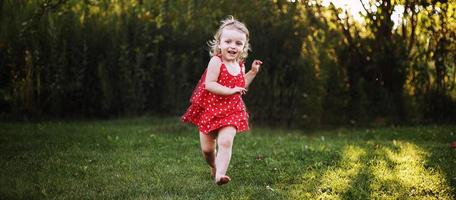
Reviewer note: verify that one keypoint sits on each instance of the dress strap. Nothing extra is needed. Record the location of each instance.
(241, 63)
(220, 56)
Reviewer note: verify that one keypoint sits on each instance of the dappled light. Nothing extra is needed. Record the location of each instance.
(399, 172)
(337, 180)
(393, 170)
(334, 180)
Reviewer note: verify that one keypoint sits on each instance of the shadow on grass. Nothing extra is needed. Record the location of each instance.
(417, 134)
(272, 172)
(374, 170)
(438, 159)
(358, 189)
(338, 180)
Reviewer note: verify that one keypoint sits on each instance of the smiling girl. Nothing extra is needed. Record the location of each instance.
(217, 108)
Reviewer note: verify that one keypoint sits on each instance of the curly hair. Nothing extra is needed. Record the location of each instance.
(230, 23)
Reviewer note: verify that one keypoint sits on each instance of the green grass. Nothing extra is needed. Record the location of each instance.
(151, 158)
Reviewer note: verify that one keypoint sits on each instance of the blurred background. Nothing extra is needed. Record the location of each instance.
(325, 62)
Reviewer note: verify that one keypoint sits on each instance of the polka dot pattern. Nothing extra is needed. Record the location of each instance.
(210, 112)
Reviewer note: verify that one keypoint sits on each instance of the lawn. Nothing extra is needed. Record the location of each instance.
(153, 158)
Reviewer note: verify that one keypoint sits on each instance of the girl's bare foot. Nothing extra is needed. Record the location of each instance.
(222, 180)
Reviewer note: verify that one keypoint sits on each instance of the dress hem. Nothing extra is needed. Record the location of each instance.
(217, 128)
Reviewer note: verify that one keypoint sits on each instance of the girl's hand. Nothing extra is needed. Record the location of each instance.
(256, 64)
(240, 90)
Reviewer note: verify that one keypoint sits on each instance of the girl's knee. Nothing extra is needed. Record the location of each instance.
(207, 150)
(226, 137)
(225, 142)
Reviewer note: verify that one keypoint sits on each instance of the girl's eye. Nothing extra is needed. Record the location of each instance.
(239, 43)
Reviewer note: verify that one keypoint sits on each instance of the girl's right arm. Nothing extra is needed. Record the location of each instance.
(212, 73)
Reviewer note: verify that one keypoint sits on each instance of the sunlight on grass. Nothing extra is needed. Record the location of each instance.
(401, 174)
(395, 170)
(335, 180)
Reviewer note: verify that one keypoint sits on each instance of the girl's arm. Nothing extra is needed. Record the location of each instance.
(252, 73)
(211, 85)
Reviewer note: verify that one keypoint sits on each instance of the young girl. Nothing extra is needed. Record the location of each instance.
(217, 108)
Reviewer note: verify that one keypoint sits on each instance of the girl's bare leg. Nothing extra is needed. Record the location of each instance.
(225, 143)
(208, 150)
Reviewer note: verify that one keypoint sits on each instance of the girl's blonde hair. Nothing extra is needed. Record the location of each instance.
(231, 23)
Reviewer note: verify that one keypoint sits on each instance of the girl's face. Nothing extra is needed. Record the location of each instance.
(232, 43)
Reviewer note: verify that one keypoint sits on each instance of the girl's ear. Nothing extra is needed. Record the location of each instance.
(219, 50)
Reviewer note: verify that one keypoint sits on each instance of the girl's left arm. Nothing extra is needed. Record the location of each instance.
(249, 76)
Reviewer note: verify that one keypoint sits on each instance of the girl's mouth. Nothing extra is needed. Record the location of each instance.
(232, 52)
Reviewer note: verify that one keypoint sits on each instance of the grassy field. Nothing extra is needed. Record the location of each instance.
(151, 158)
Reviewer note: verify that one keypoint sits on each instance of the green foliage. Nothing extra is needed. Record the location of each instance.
(74, 58)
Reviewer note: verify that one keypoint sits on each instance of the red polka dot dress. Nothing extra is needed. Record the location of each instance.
(210, 112)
